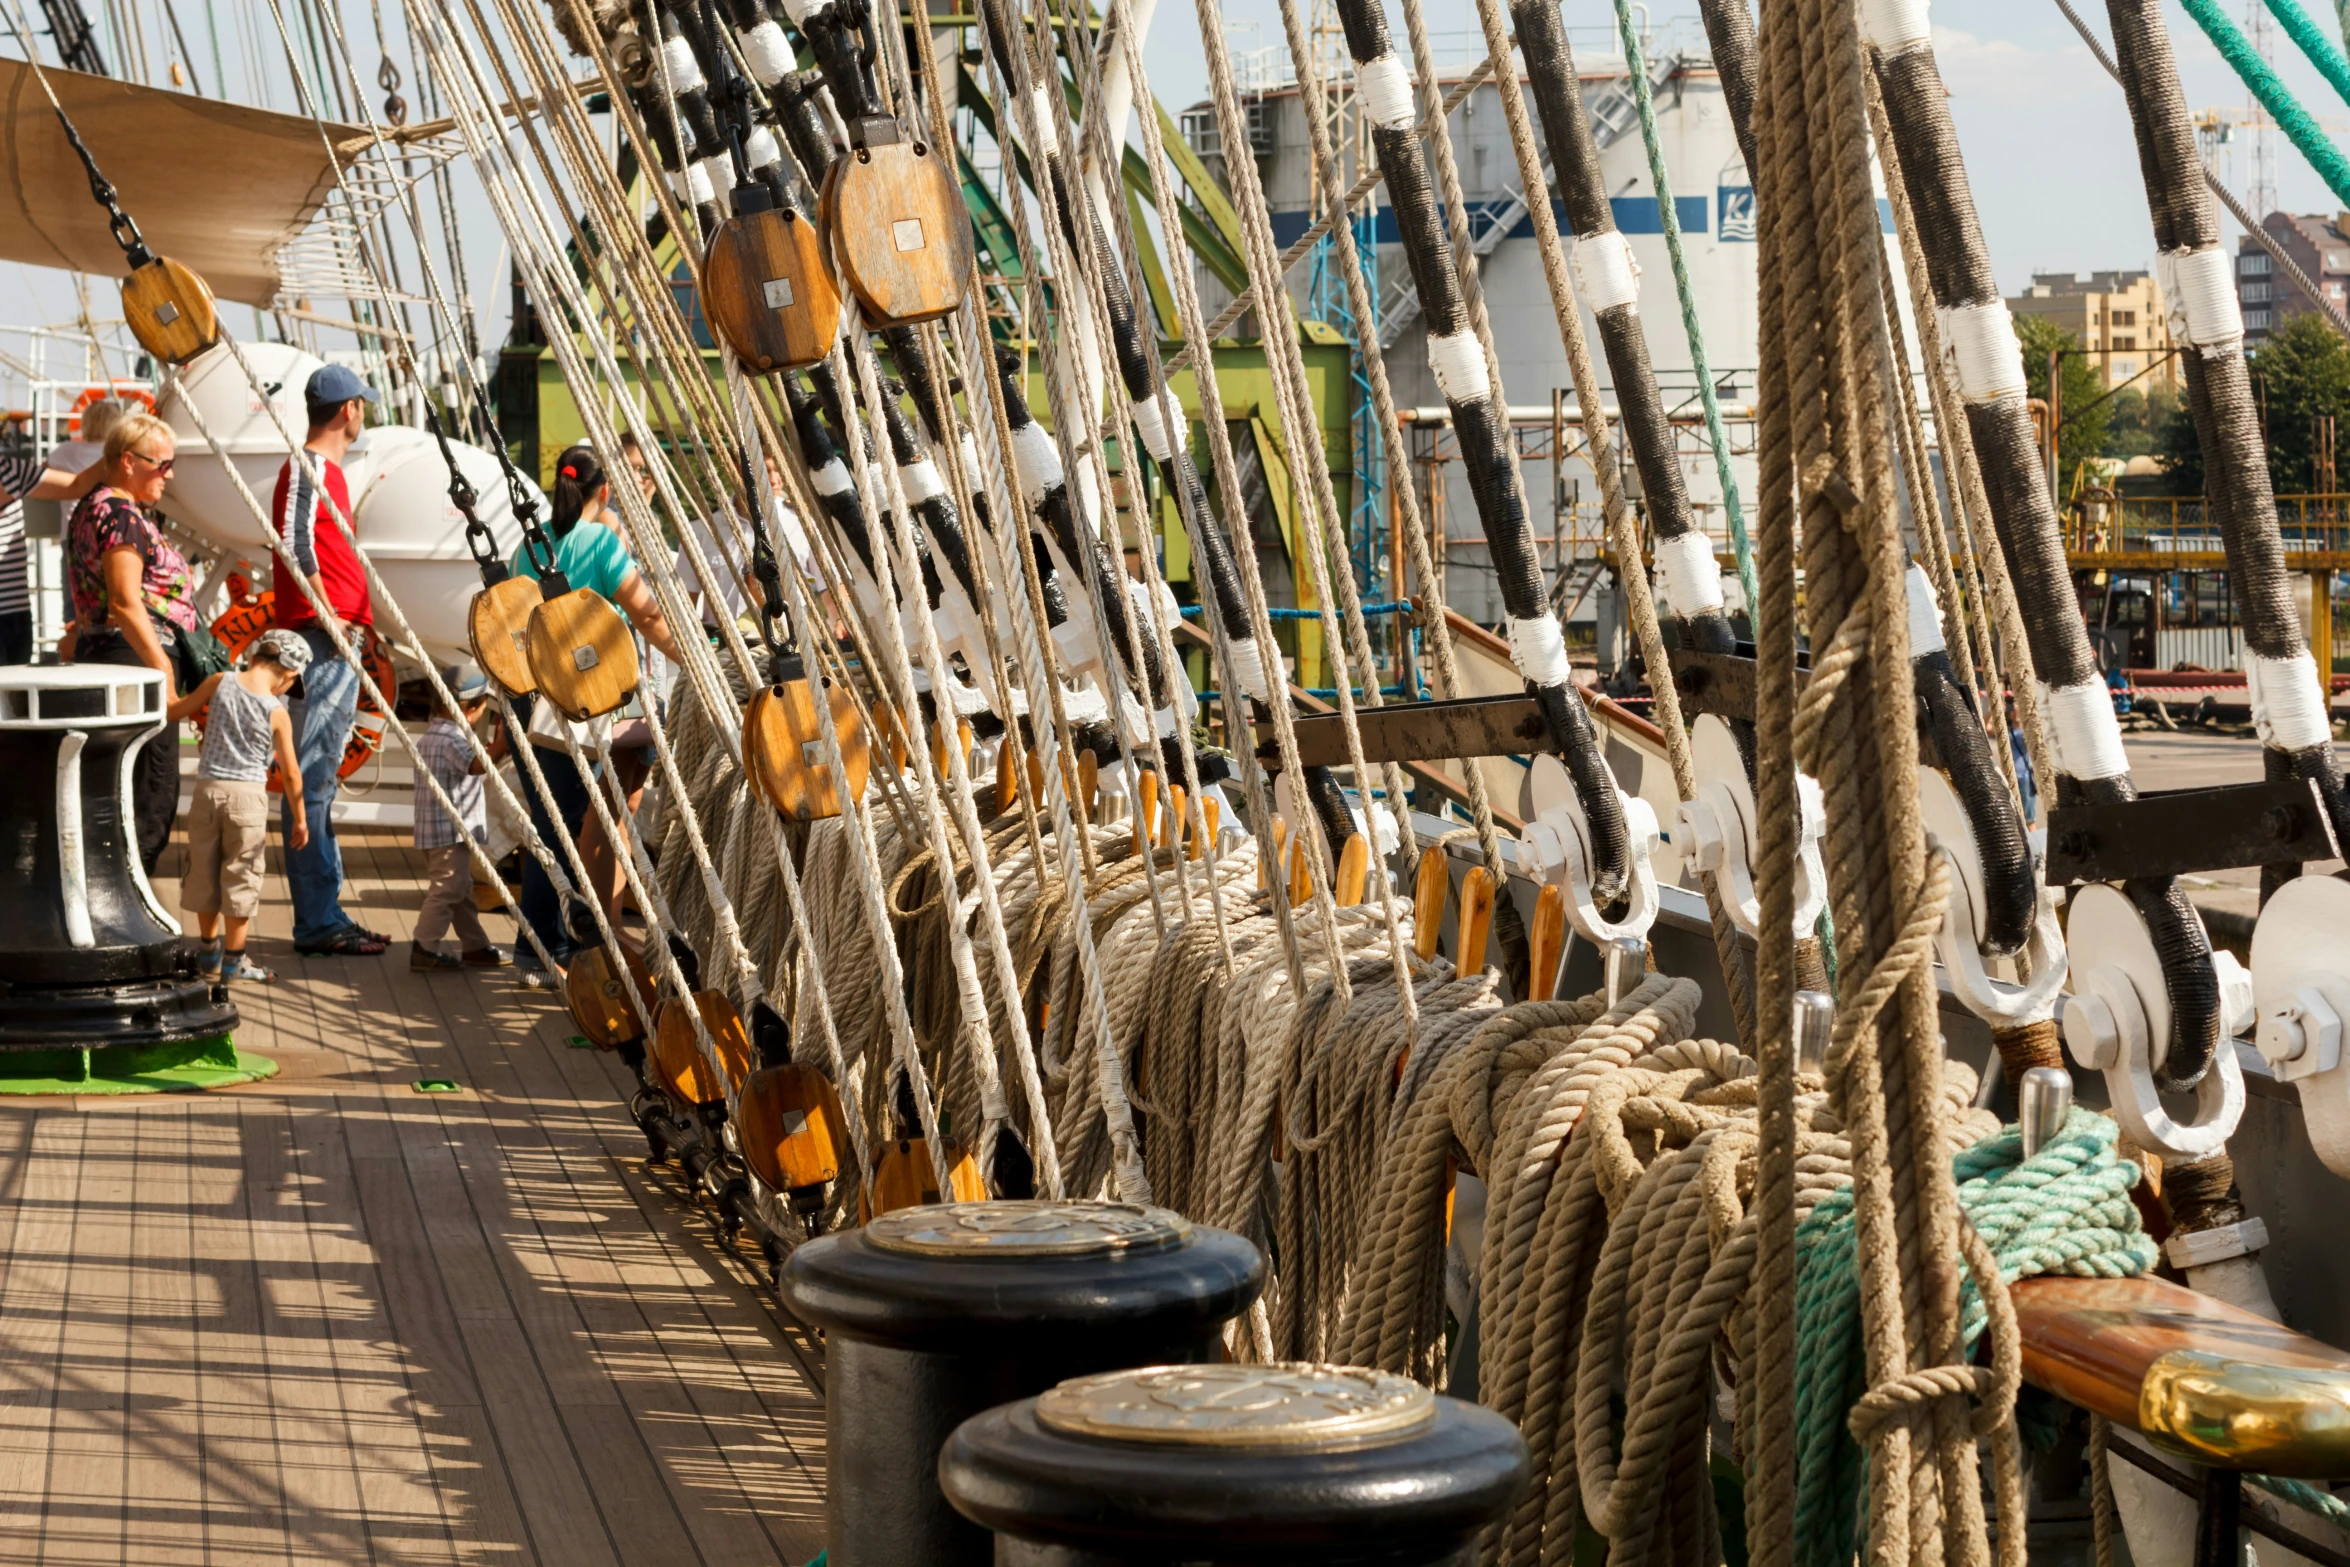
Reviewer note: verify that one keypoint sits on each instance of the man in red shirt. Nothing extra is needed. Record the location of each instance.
(312, 511)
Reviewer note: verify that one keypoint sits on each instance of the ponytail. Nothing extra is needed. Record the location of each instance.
(578, 475)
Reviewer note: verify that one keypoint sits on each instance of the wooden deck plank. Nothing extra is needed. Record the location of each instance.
(368, 1325)
(163, 1412)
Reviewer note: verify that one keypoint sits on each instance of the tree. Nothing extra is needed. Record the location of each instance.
(2136, 416)
(2079, 435)
(2300, 375)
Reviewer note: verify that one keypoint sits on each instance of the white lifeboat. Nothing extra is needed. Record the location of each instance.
(398, 480)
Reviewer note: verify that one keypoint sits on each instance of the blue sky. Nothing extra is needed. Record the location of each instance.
(2044, 132)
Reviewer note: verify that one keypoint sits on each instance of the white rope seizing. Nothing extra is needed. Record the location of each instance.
(1979, 342)
(2082, 730)
(2199, 299)
(1606, 275)
(2289, 704)
(1692, 576)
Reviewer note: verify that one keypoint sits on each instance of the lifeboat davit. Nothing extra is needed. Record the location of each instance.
(398, 479)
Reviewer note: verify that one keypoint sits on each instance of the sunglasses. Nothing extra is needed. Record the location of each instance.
(164, 467)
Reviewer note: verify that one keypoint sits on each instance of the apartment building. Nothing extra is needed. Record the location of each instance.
(2118, 317)
(2319, 246)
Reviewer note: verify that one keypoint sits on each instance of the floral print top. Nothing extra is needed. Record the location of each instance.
(109, 520)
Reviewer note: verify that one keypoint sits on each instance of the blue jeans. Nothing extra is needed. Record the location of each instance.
(540, 905)
(322, 727)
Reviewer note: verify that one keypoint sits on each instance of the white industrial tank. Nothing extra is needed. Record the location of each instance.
(398, 481)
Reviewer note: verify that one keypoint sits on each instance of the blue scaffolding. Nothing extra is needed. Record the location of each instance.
(1366, 523)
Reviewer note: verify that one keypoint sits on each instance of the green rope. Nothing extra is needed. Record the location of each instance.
(2307, 1497)
(2302, 28)
(2066, 1210)
(1739, 544)
(2274, 95)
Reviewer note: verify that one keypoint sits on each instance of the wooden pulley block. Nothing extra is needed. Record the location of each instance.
(893, 730)
(1548, 941)
(783, 751)
(898, 225)
(904, 1179)
(170, 310)
(498, 626)
(1269, 852)
(581, 655)
(1429, 891)
(599, 1004)
(1476, 921)
(768, 290)
(1354, 871)
(789, 1127)
(678, 1063)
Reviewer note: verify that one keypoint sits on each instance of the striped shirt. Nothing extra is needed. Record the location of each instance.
(448, 756)
(18, 475)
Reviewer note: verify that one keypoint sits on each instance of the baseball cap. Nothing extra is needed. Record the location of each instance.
(465, 682)
(333, 384)
(286, 647)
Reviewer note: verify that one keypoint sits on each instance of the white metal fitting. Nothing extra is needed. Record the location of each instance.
(2300, 984)
(1558, 840)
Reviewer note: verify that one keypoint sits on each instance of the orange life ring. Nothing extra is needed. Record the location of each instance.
(247, 617)
(129, 391)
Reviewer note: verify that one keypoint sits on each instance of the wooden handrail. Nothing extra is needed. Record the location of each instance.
(2200, 1378)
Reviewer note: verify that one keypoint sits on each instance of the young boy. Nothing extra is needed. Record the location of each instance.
(448, 894)
(228, 830)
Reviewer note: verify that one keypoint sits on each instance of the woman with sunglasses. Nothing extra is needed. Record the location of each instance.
(134, 601)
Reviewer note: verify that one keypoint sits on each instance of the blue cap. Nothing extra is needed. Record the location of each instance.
(332, 385)
(466, 682)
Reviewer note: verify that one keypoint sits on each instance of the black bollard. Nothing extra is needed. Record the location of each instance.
(94, 976)
(1235, 1464)
(932, 1314)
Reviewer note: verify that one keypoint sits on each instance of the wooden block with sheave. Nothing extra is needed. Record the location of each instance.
(900, 229)
(581, 655)
(768, 290)
(170, 311)
(498, 626)
(783, 751)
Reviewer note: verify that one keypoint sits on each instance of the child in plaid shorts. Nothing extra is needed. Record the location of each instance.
(447, 845)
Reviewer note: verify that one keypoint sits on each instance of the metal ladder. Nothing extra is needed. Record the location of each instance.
(1614, 113)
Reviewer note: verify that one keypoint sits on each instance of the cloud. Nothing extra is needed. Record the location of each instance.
(2002, 71)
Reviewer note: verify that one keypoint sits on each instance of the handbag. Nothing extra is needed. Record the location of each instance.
(199, 654)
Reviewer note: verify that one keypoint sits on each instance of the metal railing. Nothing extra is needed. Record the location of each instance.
(2159, 525)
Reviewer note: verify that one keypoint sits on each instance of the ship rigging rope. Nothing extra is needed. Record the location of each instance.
(2261, 80)
(566, 305)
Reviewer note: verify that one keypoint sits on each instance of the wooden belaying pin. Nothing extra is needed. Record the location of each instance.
(1354, 870)
(1173, 836)
(1476, 921)
(1007, 774)
(1089, 784)
(1548, 941)
(1204, 841)
(1146, 812)
(1301, 874)
(1428, 894)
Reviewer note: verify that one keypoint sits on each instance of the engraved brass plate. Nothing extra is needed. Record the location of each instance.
(1295, 1407)
(2239, 1414)
(1028, 1229)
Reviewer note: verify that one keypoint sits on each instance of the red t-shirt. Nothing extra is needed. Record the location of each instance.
(314, 535)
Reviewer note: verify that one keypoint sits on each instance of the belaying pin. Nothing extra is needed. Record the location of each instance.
(2043, 1099)
(1815, 1025)
(1626, 958)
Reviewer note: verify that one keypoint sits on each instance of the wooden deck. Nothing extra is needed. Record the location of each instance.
(329, 1319)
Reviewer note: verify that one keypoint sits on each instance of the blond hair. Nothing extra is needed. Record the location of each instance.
(100, 418)
(131, 431)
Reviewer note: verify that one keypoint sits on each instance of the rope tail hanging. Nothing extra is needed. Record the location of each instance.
(1980, 345)
(1826, 442)
(1457, 356)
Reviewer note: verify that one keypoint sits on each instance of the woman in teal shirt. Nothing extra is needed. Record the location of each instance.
(590, 554)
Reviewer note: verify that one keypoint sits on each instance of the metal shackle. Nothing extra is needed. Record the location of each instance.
(935, 1313)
